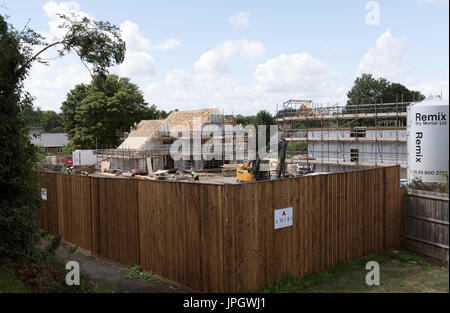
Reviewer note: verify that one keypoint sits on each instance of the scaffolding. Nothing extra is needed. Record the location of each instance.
(337, 138)
(129, 158)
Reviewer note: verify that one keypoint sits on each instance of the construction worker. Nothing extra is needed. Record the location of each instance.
(195, 176)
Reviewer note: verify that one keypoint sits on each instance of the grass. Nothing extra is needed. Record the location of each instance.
(135, 272)
(76, 249)
(399, 272)
(41, 271)
(9, 283)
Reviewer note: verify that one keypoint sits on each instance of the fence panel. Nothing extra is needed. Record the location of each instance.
(115, 219)
(74, 209)
(426, 223)
(337, 217)
(221, 237)
(180, 228)
(48, 214)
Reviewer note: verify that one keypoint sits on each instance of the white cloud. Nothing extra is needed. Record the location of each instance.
(167, 45)
(387, 59)
(138, 62)
(135, 41)
(431, 86)
(240, 19)
(216, 60)
(50, 84)
(279, 79)
(51, 9)
(298, 73)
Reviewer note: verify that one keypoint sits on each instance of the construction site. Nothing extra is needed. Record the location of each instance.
(145, 151)
(319, 139)
(344, 138)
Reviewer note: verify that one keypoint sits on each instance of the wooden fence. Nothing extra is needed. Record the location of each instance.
(221, 238)
(426, 223)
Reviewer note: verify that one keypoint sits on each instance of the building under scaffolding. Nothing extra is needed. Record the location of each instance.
(343, 138)
(147, 146)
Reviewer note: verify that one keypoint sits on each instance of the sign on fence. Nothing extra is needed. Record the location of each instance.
(44, 193)
(283, 218)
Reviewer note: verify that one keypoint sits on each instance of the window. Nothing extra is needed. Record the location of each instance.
(59, 149)
(354, 155)
(358, 132)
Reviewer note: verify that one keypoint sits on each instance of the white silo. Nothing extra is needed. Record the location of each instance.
(428, 140)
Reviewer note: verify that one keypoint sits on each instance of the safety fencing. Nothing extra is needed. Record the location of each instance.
(222, 238)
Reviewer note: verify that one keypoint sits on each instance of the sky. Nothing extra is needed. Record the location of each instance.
(246, 56)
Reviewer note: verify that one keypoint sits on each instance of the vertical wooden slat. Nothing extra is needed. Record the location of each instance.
(222, 237)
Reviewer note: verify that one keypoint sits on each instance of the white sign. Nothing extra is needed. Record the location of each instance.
(44, 194)
(283, 218)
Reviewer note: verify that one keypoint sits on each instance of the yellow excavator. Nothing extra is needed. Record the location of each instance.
(251, 171)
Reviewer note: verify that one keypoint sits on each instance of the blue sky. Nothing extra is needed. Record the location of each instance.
(243, 56)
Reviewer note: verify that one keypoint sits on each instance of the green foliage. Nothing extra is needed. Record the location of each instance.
(292, 283)
(245, 120)
(92, 115)
(43, 272)
(68, 149)
(58, 129)
(49, 121)
(418, 184)
(54, 244)
(367, 89)
(98, 43)
(445, 186)
(265, 118)
(40, 153)
(19, 174)
(135, 272)
(297, 147)
(9, 283)
(44, 234)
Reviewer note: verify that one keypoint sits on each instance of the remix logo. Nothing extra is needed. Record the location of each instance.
(419, 155)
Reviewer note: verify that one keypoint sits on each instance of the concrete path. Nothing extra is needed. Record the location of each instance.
(108, 276)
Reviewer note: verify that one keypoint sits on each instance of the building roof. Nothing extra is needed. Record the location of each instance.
(50, 140)
(146, 130)
(193, 119)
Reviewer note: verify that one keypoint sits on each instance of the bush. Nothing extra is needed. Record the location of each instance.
(19, 174)
(418, 184)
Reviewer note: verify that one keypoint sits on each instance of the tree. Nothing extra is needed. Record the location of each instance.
(92, 114)
(245, 120)
(96, 43)
(265, 118)
(49, 121)
(368, 90)
(19, 183)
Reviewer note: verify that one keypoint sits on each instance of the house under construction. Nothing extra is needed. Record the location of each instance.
(343, 138)
(147, 147)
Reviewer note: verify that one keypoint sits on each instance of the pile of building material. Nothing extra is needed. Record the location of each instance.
(229, 170)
